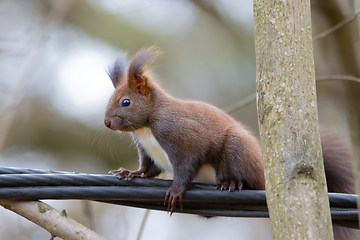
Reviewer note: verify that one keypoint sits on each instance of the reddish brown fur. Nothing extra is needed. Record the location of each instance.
(195, 133)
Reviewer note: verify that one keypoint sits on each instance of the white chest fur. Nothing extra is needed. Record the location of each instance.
(152, 147)
(146, 139)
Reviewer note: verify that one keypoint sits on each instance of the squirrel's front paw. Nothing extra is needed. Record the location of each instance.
(173, 194)
(126, 174)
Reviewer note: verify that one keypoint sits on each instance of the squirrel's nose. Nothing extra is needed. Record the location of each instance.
(107, 122)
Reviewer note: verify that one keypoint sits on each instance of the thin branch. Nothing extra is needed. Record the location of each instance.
(337, 77)
(337, 26)
(88, 216)
(208, 6)
(13, 107)
(236, 106)
(143, 223)
(240, 104)
(56, 223)
(53, 19)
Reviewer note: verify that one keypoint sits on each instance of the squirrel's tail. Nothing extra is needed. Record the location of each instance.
(339, 174)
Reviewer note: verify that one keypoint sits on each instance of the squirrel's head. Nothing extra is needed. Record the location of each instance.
(131, 104)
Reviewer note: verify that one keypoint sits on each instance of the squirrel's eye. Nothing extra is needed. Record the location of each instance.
(126, 102)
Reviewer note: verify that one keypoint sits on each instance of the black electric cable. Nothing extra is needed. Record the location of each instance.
(200, 199)
(13, 170)
(63, 179)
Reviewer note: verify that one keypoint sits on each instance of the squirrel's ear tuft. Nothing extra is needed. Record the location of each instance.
(138, 66)
(117, 70)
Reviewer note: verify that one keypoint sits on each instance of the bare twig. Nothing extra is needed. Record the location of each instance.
(11, 108)
(143, 223)
(208, 6)
(54, 17)
(89, 219)
(55, 222)
(337, 26)
(337, 77)
(240, 104)
(236, 106)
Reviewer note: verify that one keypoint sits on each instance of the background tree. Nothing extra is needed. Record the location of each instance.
(288, 119)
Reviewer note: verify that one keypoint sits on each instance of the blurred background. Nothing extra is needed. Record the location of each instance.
(54, 89)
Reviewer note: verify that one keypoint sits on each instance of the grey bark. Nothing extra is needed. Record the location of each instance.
(288, 121)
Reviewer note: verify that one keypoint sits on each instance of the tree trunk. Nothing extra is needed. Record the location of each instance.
(296, 189)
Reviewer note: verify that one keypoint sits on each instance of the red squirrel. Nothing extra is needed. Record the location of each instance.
(191, 140)
(194, 140)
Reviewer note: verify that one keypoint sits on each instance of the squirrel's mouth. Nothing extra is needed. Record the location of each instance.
(117, 123)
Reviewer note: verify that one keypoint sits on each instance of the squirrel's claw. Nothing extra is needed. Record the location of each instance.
(231, 185)
(123, 173)
(171, 198)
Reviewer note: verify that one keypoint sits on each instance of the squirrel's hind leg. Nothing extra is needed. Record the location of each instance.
(240, 165)
(232, 185)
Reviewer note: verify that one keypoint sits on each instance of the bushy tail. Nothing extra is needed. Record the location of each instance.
(339, 174)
